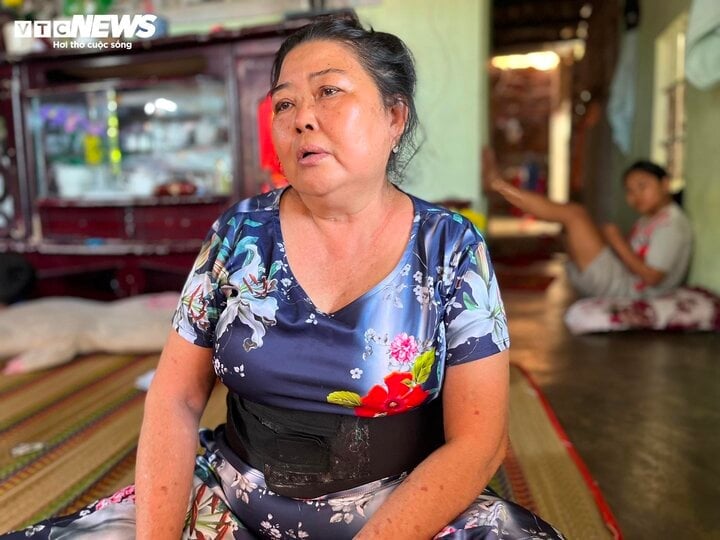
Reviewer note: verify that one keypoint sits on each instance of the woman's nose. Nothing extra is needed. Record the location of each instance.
(305, 118)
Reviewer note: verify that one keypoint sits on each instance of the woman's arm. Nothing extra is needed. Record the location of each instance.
(616, 240)
(168, 439)
(475, 402)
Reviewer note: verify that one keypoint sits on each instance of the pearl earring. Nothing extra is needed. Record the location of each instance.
(396, 149)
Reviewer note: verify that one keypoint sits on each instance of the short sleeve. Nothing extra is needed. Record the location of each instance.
(475, 321)
(202, 299)
(666, 244)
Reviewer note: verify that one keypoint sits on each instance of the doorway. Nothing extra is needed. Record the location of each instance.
(530, 131)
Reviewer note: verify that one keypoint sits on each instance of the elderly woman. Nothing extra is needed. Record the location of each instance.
(359, 331)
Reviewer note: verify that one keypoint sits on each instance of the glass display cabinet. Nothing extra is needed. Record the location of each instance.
(125, 143)
(131, 152)
(122, 160)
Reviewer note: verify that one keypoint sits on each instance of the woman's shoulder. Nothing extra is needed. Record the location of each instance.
(673, 216)
(443, 224)
(256, 210)
(676, 211)
(681, 220)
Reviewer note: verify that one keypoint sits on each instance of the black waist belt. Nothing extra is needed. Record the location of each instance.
(309, 454)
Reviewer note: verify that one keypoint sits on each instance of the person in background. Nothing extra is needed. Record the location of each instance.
(359, 330)
(653, 260)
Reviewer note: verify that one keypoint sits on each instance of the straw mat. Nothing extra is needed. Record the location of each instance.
(87, 415)
(544, 473)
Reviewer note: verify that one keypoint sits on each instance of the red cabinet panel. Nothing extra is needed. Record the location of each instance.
(145, 222)
(177, 222)
(72, 223)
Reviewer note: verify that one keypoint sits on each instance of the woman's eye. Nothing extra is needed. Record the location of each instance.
(281, 106)
(327, 91)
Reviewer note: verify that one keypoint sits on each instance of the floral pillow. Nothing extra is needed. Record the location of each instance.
(685, 309)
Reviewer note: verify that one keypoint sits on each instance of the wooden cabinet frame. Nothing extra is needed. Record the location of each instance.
(61, 250)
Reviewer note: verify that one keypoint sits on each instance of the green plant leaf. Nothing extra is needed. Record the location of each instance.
(344, 398)
(423, 366)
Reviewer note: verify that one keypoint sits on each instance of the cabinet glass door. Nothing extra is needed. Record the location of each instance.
(102, 142)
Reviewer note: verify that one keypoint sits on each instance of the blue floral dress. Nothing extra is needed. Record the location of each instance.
(384, 353)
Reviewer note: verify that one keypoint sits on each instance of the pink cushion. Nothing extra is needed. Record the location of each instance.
(684, 309)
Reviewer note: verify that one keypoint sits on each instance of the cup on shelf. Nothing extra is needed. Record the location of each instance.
(141, 182)
(73, 180)
(206, 133)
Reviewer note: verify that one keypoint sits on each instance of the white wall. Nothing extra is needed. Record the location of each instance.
(450, 42)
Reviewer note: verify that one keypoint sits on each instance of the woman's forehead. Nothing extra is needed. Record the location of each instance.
(640, 177)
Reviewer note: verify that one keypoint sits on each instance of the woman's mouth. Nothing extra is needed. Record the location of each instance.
(308, 155)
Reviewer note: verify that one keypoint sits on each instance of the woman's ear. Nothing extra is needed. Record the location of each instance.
(666, 184)
(398, 117)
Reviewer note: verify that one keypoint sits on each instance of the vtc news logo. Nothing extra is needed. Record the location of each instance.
(88, 27)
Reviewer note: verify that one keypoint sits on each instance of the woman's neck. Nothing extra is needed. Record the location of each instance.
(338, 209)
(664, 204)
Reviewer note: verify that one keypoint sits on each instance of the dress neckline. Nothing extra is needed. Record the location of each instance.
(389, 278)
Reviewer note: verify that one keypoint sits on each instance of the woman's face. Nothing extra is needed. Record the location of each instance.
(330, 127)
(645, 193)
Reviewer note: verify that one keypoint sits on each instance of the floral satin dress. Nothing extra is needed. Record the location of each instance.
(384, 353)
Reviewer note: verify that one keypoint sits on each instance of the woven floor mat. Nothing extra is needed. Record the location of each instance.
(87, 416)
(544, 471)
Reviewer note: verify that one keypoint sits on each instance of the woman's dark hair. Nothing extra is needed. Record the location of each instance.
(384, 56)
(657, 171)
(649, 167)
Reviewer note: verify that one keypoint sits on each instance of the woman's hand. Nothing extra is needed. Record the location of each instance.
(613, 236)
(475, 403)
(611, 232)
(632, 261)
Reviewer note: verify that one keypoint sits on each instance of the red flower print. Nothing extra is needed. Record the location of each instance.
(396, 398)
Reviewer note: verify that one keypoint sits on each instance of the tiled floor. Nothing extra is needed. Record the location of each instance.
(643, 410)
